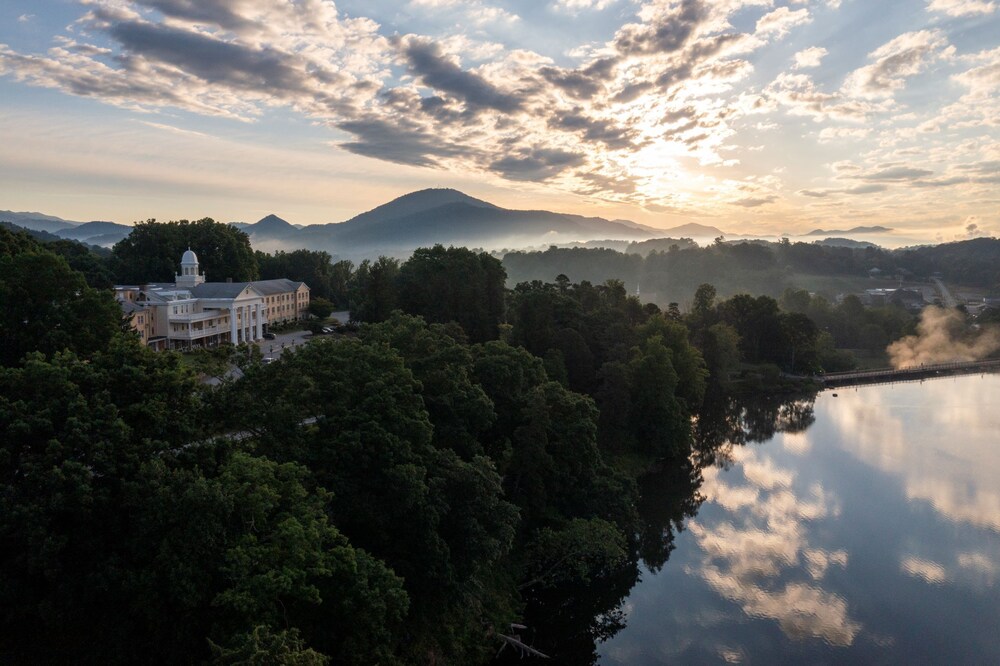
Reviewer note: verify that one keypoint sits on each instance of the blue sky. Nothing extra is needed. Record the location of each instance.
(757, 116)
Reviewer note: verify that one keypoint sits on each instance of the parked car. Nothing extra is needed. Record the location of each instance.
(327, 329)
(269, 336)
(266, 360)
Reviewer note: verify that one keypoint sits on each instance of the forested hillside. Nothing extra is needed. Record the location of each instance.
(403, 493)
(673, 275)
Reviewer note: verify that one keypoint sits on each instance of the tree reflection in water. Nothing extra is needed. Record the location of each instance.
(567, 622)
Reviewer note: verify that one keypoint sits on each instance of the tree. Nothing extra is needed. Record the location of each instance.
(320, 307)
(455, 284)
(152, 252)
(660, 426)
(314, 267)
(376, 291)
(46, 306)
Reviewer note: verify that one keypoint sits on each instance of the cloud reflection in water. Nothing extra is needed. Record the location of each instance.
(755, 557)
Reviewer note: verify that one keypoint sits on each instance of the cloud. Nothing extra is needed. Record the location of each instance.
(24, 18)
(930, 572)
(667, 29)
(537, 164)
(810, 57)
(895, 174)
(782, 20)
(828, 134)
(396, 142)
(894, 62)
(575, 6)
(645, 117)
(426, 61)
(754, 202)
(962, 7)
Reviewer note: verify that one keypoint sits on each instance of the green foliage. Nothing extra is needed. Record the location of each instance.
(320, 307)
(579, 552)
(264, 647)
(577, 264)
(375, 293)
(454, 284)
(326, 280)
(152, 252)
(46, 306)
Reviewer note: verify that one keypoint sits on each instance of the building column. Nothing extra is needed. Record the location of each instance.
(232, 324)
(257, 313)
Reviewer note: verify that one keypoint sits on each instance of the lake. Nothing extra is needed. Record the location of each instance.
(867, 533)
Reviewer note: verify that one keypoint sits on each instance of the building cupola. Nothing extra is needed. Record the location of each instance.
(189, 275)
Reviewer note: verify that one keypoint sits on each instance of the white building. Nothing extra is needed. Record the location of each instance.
(191, 312)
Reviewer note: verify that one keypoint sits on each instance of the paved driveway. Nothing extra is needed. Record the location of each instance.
(292, 339)
(283, 341)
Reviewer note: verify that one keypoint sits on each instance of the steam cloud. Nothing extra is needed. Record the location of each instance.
(942, 338)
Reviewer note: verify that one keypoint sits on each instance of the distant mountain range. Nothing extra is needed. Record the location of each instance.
(844, 232)
(104, 234)
(419, 219)
(444, 216)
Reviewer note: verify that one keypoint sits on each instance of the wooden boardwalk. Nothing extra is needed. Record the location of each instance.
(889, 375)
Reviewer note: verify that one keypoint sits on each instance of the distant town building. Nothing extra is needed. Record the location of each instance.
(191, 312)
(911, 299)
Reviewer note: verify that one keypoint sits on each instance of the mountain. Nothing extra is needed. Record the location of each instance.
(415, 203)
(451, 217)
(97, 233)
(417, 219)
(690, 230)
(36, 221)
(271, 226)
(844, 232)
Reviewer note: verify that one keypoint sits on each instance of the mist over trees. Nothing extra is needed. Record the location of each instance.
(758, 268)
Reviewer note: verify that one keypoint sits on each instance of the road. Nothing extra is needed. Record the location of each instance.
(946, 297)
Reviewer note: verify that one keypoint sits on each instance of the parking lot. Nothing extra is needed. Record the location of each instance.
(293, 339)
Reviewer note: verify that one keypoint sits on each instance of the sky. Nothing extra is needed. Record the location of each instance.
(755, 116)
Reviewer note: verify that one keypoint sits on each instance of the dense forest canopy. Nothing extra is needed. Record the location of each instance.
(463, 460)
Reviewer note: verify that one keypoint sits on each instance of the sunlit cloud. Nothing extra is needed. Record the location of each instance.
(663, 108)
(962, 7)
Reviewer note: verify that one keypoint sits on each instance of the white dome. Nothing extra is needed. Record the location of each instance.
(189, 257)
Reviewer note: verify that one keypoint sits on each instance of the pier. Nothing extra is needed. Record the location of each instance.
(891, 375)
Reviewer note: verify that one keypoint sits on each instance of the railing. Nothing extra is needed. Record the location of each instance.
(917, 371)
(195, 333)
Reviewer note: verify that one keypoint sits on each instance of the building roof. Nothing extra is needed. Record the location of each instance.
(219, 289)
(279, 286)
(189, 257)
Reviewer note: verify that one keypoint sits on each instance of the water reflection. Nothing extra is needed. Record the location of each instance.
(938, 437)
(865, 528)
(759, 555)
(857, 529)
(568, 622)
